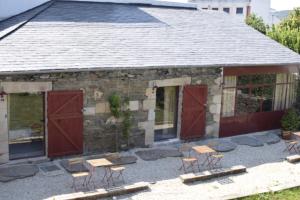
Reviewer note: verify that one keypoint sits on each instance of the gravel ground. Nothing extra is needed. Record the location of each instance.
(266, 168)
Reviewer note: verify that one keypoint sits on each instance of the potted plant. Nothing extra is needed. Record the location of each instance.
(290, 122)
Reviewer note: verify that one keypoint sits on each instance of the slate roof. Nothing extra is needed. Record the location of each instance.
(75, 36)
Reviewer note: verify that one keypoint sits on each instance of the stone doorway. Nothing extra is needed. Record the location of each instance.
(26, 120)
(166, 113)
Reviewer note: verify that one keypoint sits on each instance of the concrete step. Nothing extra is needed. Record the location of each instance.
(293, 158)
(207, 175)
(103, 193)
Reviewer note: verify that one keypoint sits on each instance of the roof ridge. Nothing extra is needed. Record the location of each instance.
(154, 3)
(20, 25)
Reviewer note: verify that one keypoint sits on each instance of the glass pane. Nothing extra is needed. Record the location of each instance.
(270, 79)
(166, 113)
(242, 101)
(244, 80)
(258, 79)
(26, 125)
(255, 100)
(267, 98)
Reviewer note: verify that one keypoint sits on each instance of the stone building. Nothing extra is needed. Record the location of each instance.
(185, 74)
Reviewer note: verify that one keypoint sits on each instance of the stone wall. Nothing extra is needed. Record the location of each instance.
(99, 134)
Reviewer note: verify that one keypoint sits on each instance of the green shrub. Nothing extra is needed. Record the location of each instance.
(115, 105)
(290, 121)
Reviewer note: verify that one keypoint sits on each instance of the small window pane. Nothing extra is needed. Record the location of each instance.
(215, 8)
(267, 98)
(255, 100)
(239, 10)
(242, 101)
(227, 10)
(244, 80)
(204, 8)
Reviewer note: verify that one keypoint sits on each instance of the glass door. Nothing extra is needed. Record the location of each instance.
(166, 113)
(26, 125)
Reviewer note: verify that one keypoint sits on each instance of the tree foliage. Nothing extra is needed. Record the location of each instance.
(257, 23)
(288, 31)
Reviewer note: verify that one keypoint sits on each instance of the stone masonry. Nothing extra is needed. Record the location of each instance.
(139, 85)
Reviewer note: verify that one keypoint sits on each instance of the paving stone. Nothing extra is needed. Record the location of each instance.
(74, 167)
(155, 154)
(269, 138)
(247, 140)
(10, 173)
(223, 146)
(124, 160)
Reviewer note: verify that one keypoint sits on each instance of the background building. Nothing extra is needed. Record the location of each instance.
(240, 8)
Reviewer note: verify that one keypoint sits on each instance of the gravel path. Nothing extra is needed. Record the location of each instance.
(266, 168)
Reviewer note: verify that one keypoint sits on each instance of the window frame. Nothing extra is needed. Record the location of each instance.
(239, 9)
(226, 10)
(250, 86)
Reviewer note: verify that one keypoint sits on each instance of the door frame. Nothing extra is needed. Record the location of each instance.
(21, 87)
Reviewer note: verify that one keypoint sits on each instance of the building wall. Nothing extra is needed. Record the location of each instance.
(99, 135)
(10, 8)
(220, 4)
(261, 8)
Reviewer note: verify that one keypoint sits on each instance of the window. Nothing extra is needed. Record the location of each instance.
(215, 8)
(204, 8)
(258, 93)
(239, 10)
(227, 10)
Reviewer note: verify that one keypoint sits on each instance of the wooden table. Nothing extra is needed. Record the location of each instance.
(101, 162)
(207, 151)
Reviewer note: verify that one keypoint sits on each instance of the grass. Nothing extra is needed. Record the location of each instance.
(290, 194)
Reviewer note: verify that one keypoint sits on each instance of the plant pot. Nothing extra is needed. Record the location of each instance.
(286, 135)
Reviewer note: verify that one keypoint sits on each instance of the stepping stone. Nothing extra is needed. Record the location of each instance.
(269, 138)
(123, 160)
(247, 140)
(10, 173)
(155, 154)
(74, 167)
(207, 175)
(223, 145)
(293, 159)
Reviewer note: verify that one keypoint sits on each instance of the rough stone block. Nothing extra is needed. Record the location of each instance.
(133, 105)
(151, 93)
(98, 95)
(102, 107)
(89, 111)
(217, 99)
(151, 115)
(215, 108)
(217, 117)
(149, 104)
(212, 130)
(170, 82)
(4, 158)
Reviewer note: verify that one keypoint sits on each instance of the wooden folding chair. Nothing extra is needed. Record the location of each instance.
(81, 176)
(291, 146)
(117, 170)
(187, 161)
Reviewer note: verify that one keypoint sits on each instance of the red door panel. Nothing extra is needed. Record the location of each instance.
(65, 123)
(193, 111)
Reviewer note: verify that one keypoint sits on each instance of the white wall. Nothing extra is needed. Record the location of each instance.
(220, 4)
(262, 8)
(9, 8)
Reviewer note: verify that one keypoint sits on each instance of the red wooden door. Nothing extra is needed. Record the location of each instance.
(65, 123)
(193, 111)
